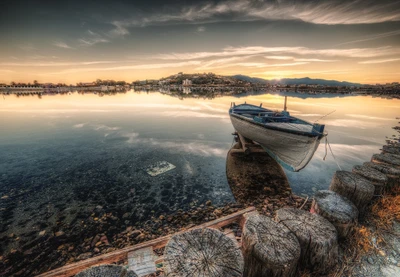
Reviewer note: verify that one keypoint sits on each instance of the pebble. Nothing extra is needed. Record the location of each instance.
(59, 234)
(84, 256)
(4, 197)
(42, 233)
(393, 260)
(208, 203)
(382, 253)
(370, 260)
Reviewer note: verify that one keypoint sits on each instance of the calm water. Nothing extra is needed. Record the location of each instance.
(63, 154)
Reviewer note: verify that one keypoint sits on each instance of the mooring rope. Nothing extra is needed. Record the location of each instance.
(326, 152)
(324, 116)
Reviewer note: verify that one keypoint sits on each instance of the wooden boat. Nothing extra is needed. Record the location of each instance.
(290, 141)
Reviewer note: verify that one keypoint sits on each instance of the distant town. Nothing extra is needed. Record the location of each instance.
(206, 83)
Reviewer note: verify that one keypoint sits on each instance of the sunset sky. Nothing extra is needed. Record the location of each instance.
(74, 41)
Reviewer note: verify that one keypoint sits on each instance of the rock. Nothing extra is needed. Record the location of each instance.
(161, 217)
(84, 256)
(134, 233)
(96, 250)
(4, 197)
(59, 234)
(208, 203)
(217, 212)
(11, 235)
(370, 260)
(382, 253)
(126, 215)
(42, 233)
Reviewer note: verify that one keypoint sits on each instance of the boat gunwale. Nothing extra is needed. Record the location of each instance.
(243, 118)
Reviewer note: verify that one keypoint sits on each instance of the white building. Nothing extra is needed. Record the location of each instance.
(187, 82)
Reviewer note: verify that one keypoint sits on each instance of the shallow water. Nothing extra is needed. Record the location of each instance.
(63, 155)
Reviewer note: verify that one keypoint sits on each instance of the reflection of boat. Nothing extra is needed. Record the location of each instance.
(291, 141)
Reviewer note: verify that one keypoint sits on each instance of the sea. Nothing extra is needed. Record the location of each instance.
(63, 154)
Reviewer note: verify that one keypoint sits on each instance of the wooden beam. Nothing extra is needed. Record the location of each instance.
(122, 254)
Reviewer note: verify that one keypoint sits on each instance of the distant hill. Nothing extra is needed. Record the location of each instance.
(250, 79)
(295, 81)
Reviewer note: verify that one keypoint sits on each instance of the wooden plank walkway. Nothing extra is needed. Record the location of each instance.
(122, 254)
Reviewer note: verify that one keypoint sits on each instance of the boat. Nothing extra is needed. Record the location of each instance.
(291, 141)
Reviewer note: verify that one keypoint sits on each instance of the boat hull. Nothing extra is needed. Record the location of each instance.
(293, 151)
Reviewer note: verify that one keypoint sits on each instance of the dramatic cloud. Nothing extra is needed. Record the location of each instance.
(260, 50)
(128, 67)
(318, 12)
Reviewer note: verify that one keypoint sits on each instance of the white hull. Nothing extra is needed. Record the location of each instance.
(292, 151)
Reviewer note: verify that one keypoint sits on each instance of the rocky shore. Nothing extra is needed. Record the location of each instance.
(255, 181)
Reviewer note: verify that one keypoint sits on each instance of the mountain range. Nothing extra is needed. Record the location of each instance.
(294, 81)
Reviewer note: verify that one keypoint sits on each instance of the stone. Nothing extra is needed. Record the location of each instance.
(59, 234)
(84, 256)
(370, 260)
(42, 233)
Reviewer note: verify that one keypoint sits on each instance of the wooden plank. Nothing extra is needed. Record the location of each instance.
(141, 261)
(121, 254)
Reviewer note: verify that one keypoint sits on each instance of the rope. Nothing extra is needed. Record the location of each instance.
(324, 116)
(327, 143)
(326, 147)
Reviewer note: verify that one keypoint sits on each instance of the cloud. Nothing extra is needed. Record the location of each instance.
(80, 125)
(201, 29)
(55, 64)
(105, 127)
(279, 57)
(127, 67)
(315, 60)
(92, 39)
(317, 12)
(298, 50)
(62, 45)
(380, 61)
(373, 37)
(119, 30)
(132, 137)
(369, 117)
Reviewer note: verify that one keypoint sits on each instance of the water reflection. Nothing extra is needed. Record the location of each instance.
(64, 155)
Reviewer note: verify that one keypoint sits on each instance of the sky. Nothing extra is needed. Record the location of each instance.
(81, 41)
